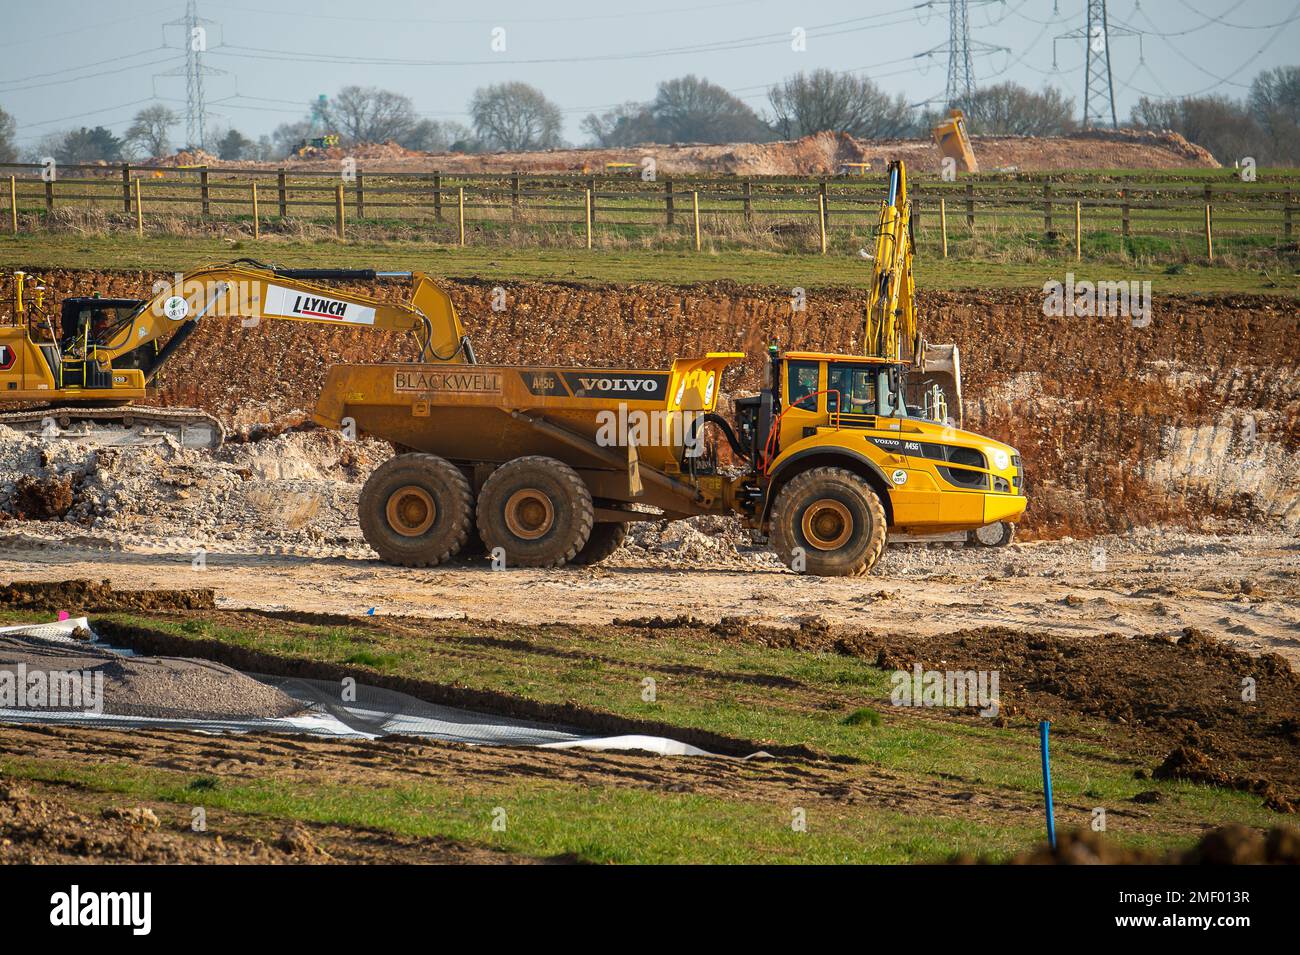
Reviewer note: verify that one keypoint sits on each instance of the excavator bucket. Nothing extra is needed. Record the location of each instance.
(954, 142)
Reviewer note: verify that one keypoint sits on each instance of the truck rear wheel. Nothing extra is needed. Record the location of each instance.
(604, 540)
(829, 522)
(415, 510)
(537, 510)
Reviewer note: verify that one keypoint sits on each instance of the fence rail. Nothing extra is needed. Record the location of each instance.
(461, 206)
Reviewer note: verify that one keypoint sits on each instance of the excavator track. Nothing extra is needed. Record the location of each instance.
(125, 426)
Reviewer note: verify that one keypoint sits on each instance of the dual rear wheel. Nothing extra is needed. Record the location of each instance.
(418, 510)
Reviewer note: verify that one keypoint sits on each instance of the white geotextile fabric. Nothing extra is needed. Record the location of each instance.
(374, 713)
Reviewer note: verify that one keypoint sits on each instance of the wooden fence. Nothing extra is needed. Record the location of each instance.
(816, 212)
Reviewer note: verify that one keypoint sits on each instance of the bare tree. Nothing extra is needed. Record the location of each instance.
(515, 117)
(432, 136)
(148, 131)
(1274, 102)
(691, 109)
(1218, 123)
(8, 147)
(1009, 109)
(624, 125)
(369, 115)
(840, 102)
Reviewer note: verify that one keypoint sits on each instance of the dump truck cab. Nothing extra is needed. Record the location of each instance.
(844, 424)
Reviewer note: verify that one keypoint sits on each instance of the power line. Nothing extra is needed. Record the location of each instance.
(625, 15)
(714, 46)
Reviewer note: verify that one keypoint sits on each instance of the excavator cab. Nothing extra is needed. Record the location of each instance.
(87, 321)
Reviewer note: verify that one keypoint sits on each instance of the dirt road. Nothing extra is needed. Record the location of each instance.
(1242, 590)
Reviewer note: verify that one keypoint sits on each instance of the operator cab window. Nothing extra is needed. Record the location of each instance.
(856, 387)
(803, 384)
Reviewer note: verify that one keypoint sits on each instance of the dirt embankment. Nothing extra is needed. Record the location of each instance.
(822, 154)
(1193, 420)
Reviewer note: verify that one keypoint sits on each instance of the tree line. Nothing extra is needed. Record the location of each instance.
(517, 117)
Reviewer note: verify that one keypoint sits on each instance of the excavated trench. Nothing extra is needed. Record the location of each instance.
(1192, 421)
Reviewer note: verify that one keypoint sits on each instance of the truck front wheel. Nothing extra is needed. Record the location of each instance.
(415, 510)
(537, 510)
(829, 522)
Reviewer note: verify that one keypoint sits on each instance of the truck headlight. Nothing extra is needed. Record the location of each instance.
(1000, 459)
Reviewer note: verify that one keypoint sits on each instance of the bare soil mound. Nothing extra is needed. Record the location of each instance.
(821, 154)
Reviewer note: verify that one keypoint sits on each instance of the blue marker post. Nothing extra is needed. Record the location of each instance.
(1044, 728)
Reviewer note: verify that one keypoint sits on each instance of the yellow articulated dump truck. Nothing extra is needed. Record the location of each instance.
(550, 464)
(544, 466)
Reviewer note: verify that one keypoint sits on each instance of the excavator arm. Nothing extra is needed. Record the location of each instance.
(252, 292)
(890, 322)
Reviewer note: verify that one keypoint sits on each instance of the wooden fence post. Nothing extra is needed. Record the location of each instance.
(284, 194)
(340, 228)
(1078, 230)
(514, 201)
(13, 204)
(437, 197)
(1209, 232)
(943, 224)
(1048, 234)
(203, 189)
(361, 195)
(821, 218)
(747, 192)
(49, 195)
(695, 208)
(668, 200)
(126, 187)
(257, 226)
(139, 211)
(970, 206)
(588, 218)
(1286, 214)
(460, 206)
(1124, 213)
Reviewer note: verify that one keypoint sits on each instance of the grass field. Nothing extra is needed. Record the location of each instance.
(912, 785)
(1002, 267)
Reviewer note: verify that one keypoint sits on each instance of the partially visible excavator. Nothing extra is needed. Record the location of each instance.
(78, 370)
(953, 140)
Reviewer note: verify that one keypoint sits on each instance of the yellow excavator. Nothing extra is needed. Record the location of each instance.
(79, 370)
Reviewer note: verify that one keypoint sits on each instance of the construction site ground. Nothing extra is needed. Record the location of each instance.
(1157, 568)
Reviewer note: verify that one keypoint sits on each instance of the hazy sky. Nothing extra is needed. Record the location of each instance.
(73, 62)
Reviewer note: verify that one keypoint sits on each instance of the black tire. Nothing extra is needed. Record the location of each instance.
(992, 535)
(537, 510)
(604, 540)
(416, 510)
(831, 518)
